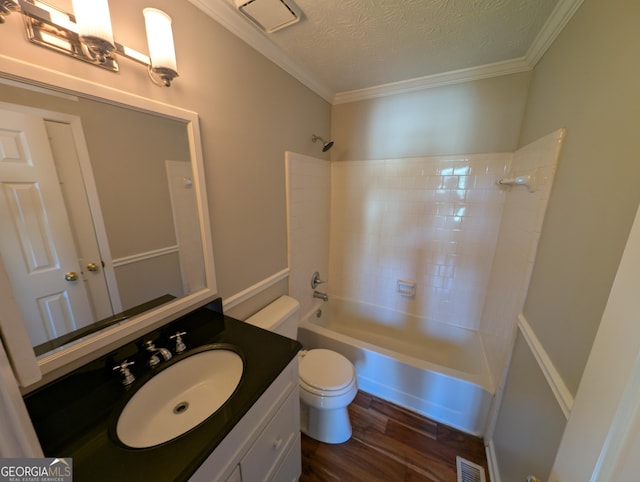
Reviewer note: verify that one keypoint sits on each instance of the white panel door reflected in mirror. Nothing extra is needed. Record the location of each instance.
(36, 236)
(100, 211)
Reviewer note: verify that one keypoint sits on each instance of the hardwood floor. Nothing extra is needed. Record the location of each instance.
(390, 444)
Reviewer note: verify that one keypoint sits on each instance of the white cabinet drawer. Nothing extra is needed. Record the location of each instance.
(274, 442)
(290, 468)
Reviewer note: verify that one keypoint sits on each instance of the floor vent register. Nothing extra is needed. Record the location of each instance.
(469, 472)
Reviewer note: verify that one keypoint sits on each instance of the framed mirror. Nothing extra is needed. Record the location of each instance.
(105, 224)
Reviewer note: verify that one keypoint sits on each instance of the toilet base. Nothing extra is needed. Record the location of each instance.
(328, 426)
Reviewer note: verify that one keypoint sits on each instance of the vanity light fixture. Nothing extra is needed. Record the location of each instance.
(6, 7)
(94, 27)
(161, 49)
(87, 35)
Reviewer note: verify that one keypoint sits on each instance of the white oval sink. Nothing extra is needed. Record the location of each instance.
(179, 398)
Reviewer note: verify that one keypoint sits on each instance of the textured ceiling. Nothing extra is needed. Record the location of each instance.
(350, 49)
(353, 44)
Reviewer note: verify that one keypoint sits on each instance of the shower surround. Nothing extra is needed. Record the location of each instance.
(440, 224)
(430, 221)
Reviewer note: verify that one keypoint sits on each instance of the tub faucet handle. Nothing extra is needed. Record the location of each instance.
(315, 280)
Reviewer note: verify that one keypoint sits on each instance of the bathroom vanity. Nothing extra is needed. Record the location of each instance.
(253, 436)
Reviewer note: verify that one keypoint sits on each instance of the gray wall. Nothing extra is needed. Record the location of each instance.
(466, 118)
(531, 422)
(587, 82)
(251, 112)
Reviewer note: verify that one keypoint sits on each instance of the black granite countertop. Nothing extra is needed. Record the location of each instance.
(75, 416)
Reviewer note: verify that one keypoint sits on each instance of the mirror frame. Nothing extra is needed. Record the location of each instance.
(27, 368)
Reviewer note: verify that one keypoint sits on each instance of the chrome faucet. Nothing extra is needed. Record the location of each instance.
(127, 376)
(180, 346)
(322, 296)
(158, 354)
(315, 280)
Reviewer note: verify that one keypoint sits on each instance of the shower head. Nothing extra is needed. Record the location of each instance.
(325, 145)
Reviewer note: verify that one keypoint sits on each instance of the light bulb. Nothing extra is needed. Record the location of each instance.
(94, 26)
(160, 41)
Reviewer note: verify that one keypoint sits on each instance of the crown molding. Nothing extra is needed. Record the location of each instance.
(437, 80)
(560, 16)
(224, 13)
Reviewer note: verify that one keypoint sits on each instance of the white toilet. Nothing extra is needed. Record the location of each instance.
(327, 379)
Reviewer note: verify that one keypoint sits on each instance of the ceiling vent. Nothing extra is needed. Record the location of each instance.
(269, 15)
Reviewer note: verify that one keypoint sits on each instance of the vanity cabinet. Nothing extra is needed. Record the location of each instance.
(265, 444)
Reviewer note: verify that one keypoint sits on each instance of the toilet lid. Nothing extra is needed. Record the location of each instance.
(325, 369)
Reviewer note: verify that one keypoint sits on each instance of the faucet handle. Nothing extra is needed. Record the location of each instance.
(128, 377)
(180, 346)
(315, 280)
(149, 345)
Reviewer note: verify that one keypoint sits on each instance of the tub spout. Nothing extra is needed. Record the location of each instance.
(322, 296)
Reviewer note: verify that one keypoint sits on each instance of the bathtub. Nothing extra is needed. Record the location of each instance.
(431, 368)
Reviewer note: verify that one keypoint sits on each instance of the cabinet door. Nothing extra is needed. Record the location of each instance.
(248, 436)
(291, 466)
(235, 475)
(274, 442)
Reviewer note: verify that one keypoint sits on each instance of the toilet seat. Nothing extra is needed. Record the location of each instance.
(306, 389)
(326, 372)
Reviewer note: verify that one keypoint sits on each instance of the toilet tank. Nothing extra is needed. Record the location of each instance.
(281, 316)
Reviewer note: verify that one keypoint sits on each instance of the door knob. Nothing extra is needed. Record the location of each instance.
(92, 267)
(71, 276)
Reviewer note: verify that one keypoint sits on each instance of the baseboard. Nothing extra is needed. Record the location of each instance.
(492, 463)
